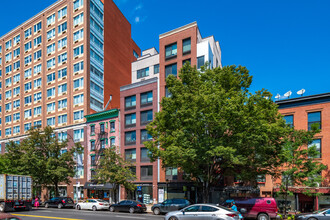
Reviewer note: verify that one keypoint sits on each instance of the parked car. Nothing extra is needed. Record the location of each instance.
(60, 202)
(203, 211)
(130, 206)
(7, 216)
(93, 204)
(256, 208)
(169, 205)
(322, 214)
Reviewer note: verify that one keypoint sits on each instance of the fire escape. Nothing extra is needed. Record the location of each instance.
(101, 137)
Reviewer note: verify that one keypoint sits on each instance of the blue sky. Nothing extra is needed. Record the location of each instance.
(284, 43)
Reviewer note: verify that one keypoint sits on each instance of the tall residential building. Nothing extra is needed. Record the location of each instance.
(155, 183)
(60, 65)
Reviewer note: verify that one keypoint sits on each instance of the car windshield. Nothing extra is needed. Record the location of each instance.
(320, 211)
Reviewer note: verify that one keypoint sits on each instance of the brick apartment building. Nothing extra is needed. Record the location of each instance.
(60, 65)
(301, 113)
(154, 183)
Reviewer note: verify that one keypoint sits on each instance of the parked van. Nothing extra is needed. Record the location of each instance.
(256, 208)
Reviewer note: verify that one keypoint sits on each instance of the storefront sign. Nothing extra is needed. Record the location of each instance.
(160, 195)
(324, 200)
(139, 188)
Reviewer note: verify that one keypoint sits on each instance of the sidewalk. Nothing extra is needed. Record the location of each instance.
(149, 208)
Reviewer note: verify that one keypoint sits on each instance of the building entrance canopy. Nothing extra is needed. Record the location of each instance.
(95, 186)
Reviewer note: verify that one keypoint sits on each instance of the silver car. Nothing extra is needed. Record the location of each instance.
(203, 212)
(322, 214)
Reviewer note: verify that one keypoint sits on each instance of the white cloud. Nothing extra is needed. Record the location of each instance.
(138, 7)
(137, 19)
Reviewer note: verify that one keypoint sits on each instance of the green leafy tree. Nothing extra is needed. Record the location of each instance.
(39, 155)
(299, 167)
(112, 168)
(212, 127)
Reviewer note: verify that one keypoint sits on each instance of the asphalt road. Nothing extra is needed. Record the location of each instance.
(73, 214)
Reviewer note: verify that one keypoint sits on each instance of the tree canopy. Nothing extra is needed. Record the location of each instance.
(212, 126)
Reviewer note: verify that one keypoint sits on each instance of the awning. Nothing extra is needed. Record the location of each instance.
(96, 186)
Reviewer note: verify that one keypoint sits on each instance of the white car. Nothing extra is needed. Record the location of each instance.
(203, 211)
(93, 204)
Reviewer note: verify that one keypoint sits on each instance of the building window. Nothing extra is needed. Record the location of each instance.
(8, 82)
(102, 128)
(112, 126)
(16, 129)
(62, 119)
(62, 27)
(186, 61)
(27, 73)
(51, 92)
(50, 77)
(37, 124)
(37, 97)
(78, 35)
(78, 83)
(146, 173)
(170, 51)
(171, 69)
(168, 94)
(17, 65)
(62, 58)
(112, 141)
(77, 4)
(16, 116)
(27, 46)
(78, 51)
(92, 145)
(9, 68)
(200, 62)
(62, 73)
(78, 115)
(50, 121)
(145, 155)
(16, 103)
(156, 68)
(17, 39)
(78, 19)
(78, 67)
(130, 102)
(37, 83)
(314, 118)
(130, 138)
(92, 130)
(317, 144)
(37, 111)
(63, 12)
(50, 48)
(62, 43)
(51, 19)
(37, 27)
(186, 46)
(130, 155)
(146, 117)
(8, 131)
(93, 161)
(62, 136)
(51, 107)
(17, 52)
(130, 120)
(289, 120)
(171, 173)
(78, 99)
(27, 86)
(8, 44)
(8, 57)
(8, 94)
(8, 119)
(27, 32)
(146, 98)
(37, 69)
(62, 103)
(62, 88)
(135, 54)
(37, 41)
(143, 73)
(37, 55)
(145, 136)
(51, 34)
(27, 100)
(78, 135)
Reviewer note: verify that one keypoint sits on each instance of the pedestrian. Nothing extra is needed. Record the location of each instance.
(234, 208)
(36, 202)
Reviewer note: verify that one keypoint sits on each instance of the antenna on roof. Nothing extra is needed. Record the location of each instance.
(287, 94)
(301, 92)
(278, 96)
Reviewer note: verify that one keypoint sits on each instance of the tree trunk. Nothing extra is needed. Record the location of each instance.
(286, 198)
(206, 192)
(56, 189)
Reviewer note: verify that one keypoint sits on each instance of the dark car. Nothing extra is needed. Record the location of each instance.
(60, 202)
(169, 205)
(322, 214)
(130, 206)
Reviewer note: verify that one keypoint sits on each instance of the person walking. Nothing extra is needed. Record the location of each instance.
(234, 208)
(36, 202)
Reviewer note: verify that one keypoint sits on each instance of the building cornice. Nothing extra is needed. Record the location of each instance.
(102, 115)
(177, 30)
(138, 84)
(304, 100)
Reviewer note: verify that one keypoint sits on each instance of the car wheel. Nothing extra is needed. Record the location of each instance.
(156, 211)
(131, 210)
(46, 205)
(78, 207)
(312, 219)
(59, 206)
(94, 208)
(112, 209)
(263, 217)
(2, 207)
(173, 218)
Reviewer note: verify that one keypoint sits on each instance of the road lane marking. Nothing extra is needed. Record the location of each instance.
(39, 216)
(118, 216)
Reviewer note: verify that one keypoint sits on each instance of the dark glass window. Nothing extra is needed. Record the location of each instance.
(92, 145)
(145, 136)
(314, 118)
(317, 143)
(170, 51)
(143, 73)
(186, 46)
(167, 92)
(133, 170)
(93, 173)
(146, 98)
(102, 128)
(156, 68)
(135, 54)
(208, 209)
(146, 117)
(130, 120)
(130, 155)
(102, 144)
(130, 137)
(145, 155)
(146, 172)
(200, 62)
(112, 126)
(186, 61)
(93, 130)
(93, 161)
(289, 120)
(171, 173)
(130, 102)
(171, 69)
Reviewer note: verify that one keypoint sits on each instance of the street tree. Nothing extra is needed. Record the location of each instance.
(113, 169)
(299, 166)
(212, 126)
(45, 158)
